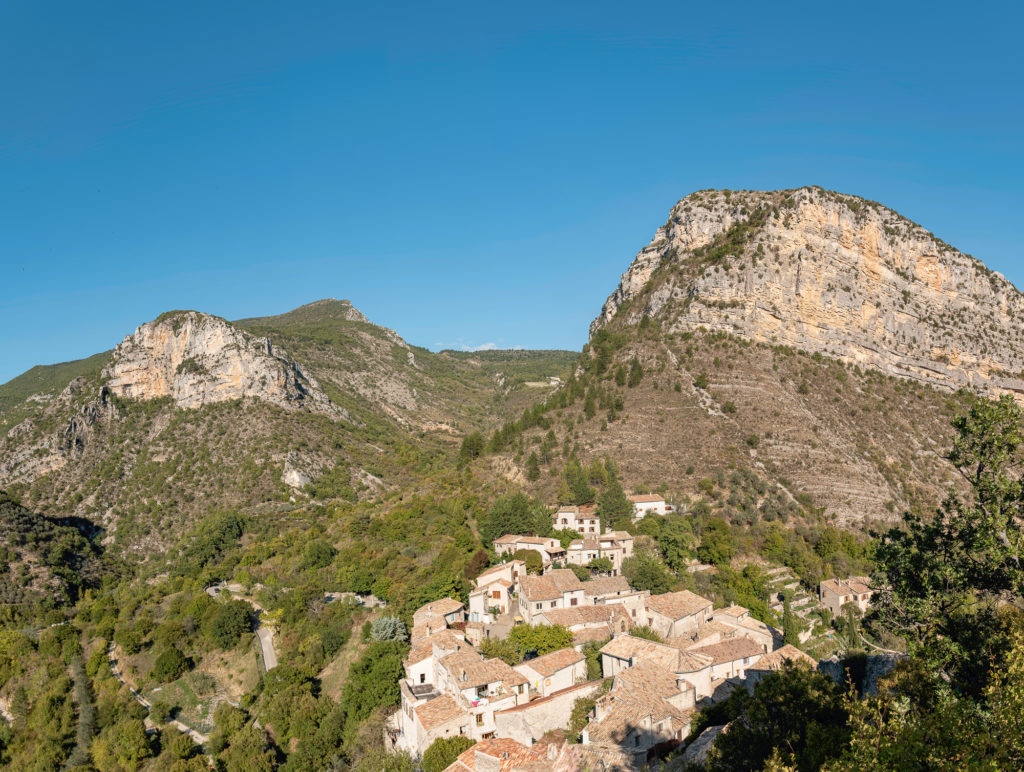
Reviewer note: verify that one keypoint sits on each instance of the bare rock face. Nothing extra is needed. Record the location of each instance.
(197, 359)
(828, 273)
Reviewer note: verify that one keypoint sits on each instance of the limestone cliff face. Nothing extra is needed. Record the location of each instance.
(197, 359)
(829, 273)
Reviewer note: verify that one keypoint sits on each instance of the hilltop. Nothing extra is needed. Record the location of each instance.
(191, 412)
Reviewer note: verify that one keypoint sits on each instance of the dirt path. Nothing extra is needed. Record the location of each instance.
(197, 737)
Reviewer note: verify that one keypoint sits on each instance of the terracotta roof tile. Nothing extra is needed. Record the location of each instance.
(646, 498)
(606, 585)
(628, 647)
(439, 711)
(775, 659)
(587, 615)
(731, 650)
(678, 605)
(549, 664)
(509, 754)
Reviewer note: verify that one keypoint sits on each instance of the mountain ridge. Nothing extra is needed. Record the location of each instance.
(830, 273)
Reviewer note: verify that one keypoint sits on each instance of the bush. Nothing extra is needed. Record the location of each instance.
(319, 554)
(388, 629)
(169, 666)
(443, 752)
(228, 622)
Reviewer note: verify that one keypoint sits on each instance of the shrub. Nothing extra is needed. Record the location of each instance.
(169, 666)
(388, 629)
(443, 752)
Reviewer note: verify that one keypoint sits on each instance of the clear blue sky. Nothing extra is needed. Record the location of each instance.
(464, 174)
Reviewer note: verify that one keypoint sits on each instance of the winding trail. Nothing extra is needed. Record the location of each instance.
(264, 633)
(197, 737)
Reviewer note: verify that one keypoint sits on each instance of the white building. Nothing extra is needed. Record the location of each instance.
(583, 520)
(555, 671)
(550, 549)
(647, 503)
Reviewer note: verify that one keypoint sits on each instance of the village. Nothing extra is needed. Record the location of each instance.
(639, 666)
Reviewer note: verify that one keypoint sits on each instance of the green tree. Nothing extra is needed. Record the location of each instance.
(576, 481)
(539, 639)
(472, 446)
(227, 622)
(716, 544)
(443, 752)
(319, 554)
(514, 513)
(795, 712)
(533, 467)
(942, 579)
(613, 507)
(534, 562)
(646, 572)
(169, 666)
(790, 628)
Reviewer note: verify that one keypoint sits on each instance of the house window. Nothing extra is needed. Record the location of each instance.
(554, 603)
(537, 606)
(479, 719)
(423, 678)
(496, 594)
(573, 602)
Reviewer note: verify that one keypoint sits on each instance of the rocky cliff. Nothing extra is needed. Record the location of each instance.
(828, 273)
(198, 359)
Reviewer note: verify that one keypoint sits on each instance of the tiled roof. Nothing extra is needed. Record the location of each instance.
(704, 631)
(855, 585)
(586, 615)
(677, 605)
(550, 586)
(788, 652)
(591, 635)
(732, 611)
(500, 568)
(468, 669)
(617, 536)
(606, 585)
(589, 543)
(730, 651)
(628, 709)
(628, 647)
(549, 664)
(585, 510)
(648, 677)
(646, 498)
(439, 711)
(429, 627)
(424, 647)
(509, 754)
(441, 607)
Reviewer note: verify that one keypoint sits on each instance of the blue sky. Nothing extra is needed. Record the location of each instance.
(466, 174)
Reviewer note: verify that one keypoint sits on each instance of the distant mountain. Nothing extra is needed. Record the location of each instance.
(191, 413)
(811, 339)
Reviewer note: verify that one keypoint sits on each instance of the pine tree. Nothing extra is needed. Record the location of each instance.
(533, 467)
(613, 507)
(790, 629)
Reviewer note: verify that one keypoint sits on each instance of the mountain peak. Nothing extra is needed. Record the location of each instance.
(196, 359)
(828, 273)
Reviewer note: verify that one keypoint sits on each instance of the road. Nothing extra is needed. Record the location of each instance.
(266, 636)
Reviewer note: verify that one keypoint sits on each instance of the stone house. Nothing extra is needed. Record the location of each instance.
(550, 549)
(625, 651)
(673, 614)
(497, 755)
(616, 546)
(448, 610)
(833, 593)
(732, 657)
(493, 593)
(555, 671)
(740, 620)
(559, 588)
(589, 623)
(775, 661)
(647, 706)
(583, 520)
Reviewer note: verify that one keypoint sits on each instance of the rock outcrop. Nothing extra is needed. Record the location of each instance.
(828, 273)
(197, 359)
